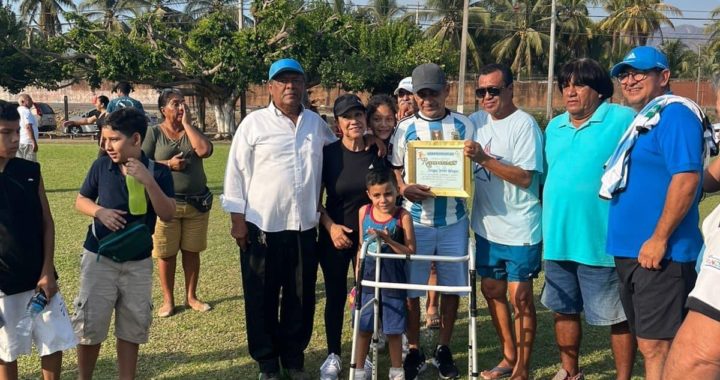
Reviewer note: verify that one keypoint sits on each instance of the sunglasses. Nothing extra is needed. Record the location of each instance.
(493, 91)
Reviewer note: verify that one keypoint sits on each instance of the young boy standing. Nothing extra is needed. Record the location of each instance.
(108, 284)
(394, 228)
(27, 249)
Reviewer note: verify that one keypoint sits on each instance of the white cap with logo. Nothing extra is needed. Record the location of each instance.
(405, 84)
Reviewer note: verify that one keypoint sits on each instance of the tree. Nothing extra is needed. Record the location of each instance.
(447, 26)
(634, 21)
(682, 60)
(47, 11)
(575, 28)
(712, 29)
(525, 42)
(111, 13)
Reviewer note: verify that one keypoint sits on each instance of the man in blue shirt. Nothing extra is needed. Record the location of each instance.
(124, 100)
(653, 223)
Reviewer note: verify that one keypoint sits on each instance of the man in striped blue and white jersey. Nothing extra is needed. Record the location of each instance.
(441, 223)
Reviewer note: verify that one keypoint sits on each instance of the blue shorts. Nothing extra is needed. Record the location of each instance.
(392, 314)
(571, 288)
(449, 240)
(514, 263)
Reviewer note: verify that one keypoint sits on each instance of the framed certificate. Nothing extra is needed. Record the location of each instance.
(440, 165)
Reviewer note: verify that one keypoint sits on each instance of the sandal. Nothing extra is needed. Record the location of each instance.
(164, 313)
(432, 321)
(496, 373)
(199, 306)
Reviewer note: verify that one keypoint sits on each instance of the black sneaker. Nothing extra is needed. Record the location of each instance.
(414, 364)
(444, 362)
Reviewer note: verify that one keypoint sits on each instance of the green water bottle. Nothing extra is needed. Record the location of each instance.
(136, 196)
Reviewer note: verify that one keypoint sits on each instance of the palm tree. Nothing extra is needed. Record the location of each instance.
(47, 13)
(526, 40)
(199, 8)
(575, 28)
(712, 29)
(682, 60)
(635, 21)
(448, 25)
(111, 13)
(382, 11)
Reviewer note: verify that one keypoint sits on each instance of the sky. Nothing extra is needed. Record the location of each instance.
(695, 12)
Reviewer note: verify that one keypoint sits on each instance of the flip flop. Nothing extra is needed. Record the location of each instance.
(496, 373)
(432, 321)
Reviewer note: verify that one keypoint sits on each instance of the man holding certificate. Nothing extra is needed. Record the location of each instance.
(441, 222)
(506, 217)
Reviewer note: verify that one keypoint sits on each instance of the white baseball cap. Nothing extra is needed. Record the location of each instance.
(405, 84)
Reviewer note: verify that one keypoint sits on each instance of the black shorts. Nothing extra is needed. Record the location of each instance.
(654, 300)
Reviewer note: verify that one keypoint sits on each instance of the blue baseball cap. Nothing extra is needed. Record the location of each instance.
(283, 65)
(642, 58)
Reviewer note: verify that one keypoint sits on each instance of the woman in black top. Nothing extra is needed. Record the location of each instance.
(345, 164)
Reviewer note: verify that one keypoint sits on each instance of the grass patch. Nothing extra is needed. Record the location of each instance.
(213, 345)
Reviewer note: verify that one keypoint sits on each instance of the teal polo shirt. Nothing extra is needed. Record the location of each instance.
(575, 218)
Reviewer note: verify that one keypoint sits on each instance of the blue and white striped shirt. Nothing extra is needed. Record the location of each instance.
(438, 211)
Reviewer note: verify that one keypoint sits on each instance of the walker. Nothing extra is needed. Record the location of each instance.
(470, 289)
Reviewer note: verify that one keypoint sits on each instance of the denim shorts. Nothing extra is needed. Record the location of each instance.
(573, 288)
(451, 240)
(514, 263)
(392, 314)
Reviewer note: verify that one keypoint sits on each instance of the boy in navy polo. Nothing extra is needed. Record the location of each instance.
(106, 285)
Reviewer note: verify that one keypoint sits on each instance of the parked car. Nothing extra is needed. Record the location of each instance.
(78, 129)
(45, 116)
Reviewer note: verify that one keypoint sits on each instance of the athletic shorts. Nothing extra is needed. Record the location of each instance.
(514, 263)
(573, 288)
(186, 231)
(107, 286)
(392, 314)
(449, 240)
(51, 330)
(654, 300)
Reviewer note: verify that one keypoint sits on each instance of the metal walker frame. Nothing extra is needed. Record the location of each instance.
(378, 285)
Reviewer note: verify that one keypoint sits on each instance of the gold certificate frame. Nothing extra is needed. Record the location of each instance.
(442, 165)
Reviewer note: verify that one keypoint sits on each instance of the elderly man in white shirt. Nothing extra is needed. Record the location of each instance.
(272, 187)
(29, 132)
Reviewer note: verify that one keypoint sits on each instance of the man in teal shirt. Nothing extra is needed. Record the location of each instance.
(579, 275)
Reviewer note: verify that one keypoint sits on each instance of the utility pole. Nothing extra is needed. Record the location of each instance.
(463, 58)
(417, 14)
(699, 58)
(551, 63)
(241, 17)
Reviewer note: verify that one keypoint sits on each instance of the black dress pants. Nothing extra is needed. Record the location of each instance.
(279, 271)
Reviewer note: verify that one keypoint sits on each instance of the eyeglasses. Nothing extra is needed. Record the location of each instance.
(493, 91)
(637, 76)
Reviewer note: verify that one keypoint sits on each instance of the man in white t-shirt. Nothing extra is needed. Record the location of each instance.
(28, 129)
(506, 218)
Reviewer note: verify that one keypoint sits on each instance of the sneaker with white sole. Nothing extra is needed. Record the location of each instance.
(396, 374)
(445, 364)
(331, 368)
(364, 373)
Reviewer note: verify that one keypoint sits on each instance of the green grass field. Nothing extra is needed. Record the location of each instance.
(213, 345)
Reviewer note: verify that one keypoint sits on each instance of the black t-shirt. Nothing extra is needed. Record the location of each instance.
(343, 175)
(105, 184)
(21, 232)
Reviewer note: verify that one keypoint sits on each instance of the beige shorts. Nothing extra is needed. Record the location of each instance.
(187, 231)
(51, 330)
(105, 286)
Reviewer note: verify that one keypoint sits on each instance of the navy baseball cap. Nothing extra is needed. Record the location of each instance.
(642, 58)
(283, 65)
(347, 102)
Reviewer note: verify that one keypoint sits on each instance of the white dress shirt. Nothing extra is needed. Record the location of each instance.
(274, 170)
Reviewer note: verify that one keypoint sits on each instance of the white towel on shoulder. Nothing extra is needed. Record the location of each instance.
(616, 168)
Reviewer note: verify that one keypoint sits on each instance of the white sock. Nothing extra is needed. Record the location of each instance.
(360, 374)
(396, 374)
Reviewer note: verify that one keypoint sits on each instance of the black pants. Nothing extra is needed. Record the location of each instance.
(334, 264)
(278, 262)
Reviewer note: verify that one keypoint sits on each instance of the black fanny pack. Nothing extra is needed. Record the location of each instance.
(202, 202)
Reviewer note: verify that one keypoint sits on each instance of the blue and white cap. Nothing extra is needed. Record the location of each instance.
(283, 65)
(642, 58)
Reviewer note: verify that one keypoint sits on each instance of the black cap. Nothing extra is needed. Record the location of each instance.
(430, 76)
(345, 103)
